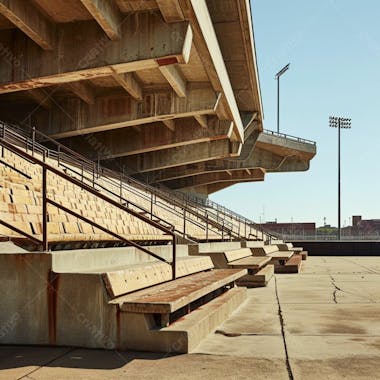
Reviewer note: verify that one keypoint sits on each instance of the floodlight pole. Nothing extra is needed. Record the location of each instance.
(339, 208)
(339, 122)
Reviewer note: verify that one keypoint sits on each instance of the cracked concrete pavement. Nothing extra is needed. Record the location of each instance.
(322, 323)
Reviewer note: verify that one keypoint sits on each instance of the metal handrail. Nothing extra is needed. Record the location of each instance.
(46, 200)
(231, 214)
(290, 137)
(186, 204)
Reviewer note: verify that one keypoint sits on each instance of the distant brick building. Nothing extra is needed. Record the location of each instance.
(363, 226)
(290, 228)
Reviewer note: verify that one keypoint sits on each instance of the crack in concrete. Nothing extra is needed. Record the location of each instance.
(336, 289)
(232, 334)
(280, 316)
(27, 375)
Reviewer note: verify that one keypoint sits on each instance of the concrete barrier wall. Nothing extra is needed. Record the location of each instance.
(26, 300)
(252, 244)
(340, 248)
(93, 259)
(219, 246)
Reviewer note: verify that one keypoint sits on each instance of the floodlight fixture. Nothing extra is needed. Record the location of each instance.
(282, 71)
(277, 77)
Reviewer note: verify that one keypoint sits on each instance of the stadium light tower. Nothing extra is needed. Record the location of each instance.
(278, 76)
(339, 122)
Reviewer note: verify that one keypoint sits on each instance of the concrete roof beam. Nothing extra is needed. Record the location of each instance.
(30, 21)
(183, 155)
(107, 15)
(73, 118)
(146, 43)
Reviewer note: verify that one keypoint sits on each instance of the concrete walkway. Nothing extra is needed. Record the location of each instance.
(321, 324)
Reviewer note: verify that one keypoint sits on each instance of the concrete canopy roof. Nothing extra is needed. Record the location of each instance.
(154, 84)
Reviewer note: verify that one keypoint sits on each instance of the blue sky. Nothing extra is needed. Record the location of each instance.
(334, 50)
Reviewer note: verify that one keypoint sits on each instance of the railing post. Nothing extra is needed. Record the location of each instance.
(184, 222)
(174, 258)
(207, 227)
(121, 188)
(151, 205)
(93, 175)
(98, 166)
(3, 136)
(44, 210)
(223, 230)
(33, 139)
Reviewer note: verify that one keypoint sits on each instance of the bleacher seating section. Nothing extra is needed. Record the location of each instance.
(137, 305)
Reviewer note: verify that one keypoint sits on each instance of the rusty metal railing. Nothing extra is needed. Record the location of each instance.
(46, 168)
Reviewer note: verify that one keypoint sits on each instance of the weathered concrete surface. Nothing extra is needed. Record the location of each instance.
(80, 260)
(331, 328)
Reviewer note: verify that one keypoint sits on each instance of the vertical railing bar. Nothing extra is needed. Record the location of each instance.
(44, 210)
(174, 259)
(33, 139)
(184, 222)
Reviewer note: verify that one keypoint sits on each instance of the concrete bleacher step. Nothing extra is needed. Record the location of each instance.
(259, 279)
(223, 258)
(124, 280)
(169, 297)
(175, 316)
(194, 327)
(254, 244)
(293, 265)
(185, 334)
(290, 247)
(252, 263)
(264, 250)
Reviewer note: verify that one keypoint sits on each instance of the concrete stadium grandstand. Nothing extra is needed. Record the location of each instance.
(118, 119)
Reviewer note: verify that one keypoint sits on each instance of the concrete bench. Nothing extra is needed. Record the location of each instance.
(259, 279)
(223, 259)
(254, 244)
(240, 258)
(264, 250)
(252, 263)
(293, 265)
(289, 247)
(167, 298)
(120, 281)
